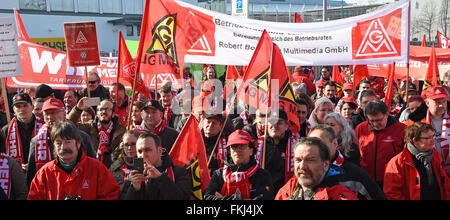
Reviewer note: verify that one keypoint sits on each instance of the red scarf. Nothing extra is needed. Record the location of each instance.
(237, 182)
(42, 154)
(288, 155)
(142, 129)
(125, 170)
(167, 114)
(170, 174)
(5, 177)
(244, 118)
(103, 138)
(13, 142)
(222, 151)
(339, 160)
(445, 135)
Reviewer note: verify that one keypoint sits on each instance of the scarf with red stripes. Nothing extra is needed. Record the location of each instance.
(167, 114)
(103, 140)
(444, 139)
(339, 159)
(160, 127)
(42, 153)
(237, 182)
(222, 151)
(5, 177)
(14, 146)
(288, 155)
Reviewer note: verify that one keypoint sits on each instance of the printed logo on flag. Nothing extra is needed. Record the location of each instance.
(377, 38)
(81, 39)
(163, 35)
(200, 32)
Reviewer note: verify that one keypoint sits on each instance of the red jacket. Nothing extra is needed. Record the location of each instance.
(402, 180)
(334, 192)
(378, 147)
(90, 179)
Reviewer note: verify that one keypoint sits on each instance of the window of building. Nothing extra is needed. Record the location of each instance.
(417, 5)
(33, 4)
(130, 30)
(112, 6)
(61, 5)
(88, 6)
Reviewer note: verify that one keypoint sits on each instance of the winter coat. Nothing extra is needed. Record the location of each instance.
(88, 180)
(402, 180)
(261, 183)
(91, 129)
(378, 147)
(86, 146)
(163, 187)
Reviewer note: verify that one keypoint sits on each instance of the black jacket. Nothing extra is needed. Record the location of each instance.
(117, 173)
(25, 136)
(275, 159)
(357, 119)
(357, 180)
(163, 188)
(261, 182)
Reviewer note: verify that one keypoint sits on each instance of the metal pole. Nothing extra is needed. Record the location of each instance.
(324, 10)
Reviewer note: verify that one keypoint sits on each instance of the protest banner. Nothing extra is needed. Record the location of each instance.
(378, 37)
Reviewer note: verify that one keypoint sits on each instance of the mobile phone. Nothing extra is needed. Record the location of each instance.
(138, 164)
(94, 101)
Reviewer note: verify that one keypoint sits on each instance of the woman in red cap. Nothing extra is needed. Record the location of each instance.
(241, 177)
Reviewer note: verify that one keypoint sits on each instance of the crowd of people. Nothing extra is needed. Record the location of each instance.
(350, 146)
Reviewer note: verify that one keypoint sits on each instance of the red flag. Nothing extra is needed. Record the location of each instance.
(390, 88)
(337, 78)
(432, 76)
(359, 73)
(127, 68)
(424, 41)
(232, 73)
(266, 66)
(297, 18)
(255, 87)
(285, 95)
(168, 31)
(443, 41)
(243, 69)
(22, 33)
(189, 151)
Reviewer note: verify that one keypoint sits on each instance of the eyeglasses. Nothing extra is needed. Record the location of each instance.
(129, 144)
(377, 120)
(92, 82)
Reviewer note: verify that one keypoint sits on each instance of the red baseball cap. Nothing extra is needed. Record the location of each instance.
(239, 137)
(52, 103)
(348, 99)
(320, 83)
(348, 86)
(436, 92)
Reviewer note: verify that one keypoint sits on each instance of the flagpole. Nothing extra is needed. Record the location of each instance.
(269, 101)
(87, 85)
(118, 73)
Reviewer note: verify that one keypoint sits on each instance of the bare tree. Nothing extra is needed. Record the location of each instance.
(427, 19)
(444, 14)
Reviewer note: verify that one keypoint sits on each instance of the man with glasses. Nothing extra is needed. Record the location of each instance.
(438, 116)
(95, 88)
(105, 130)
(380, 138)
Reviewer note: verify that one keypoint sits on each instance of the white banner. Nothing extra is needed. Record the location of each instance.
(375, 38)
(9, 52)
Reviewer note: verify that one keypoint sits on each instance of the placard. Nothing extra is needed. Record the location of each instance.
(9, 52)
(82, 44)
